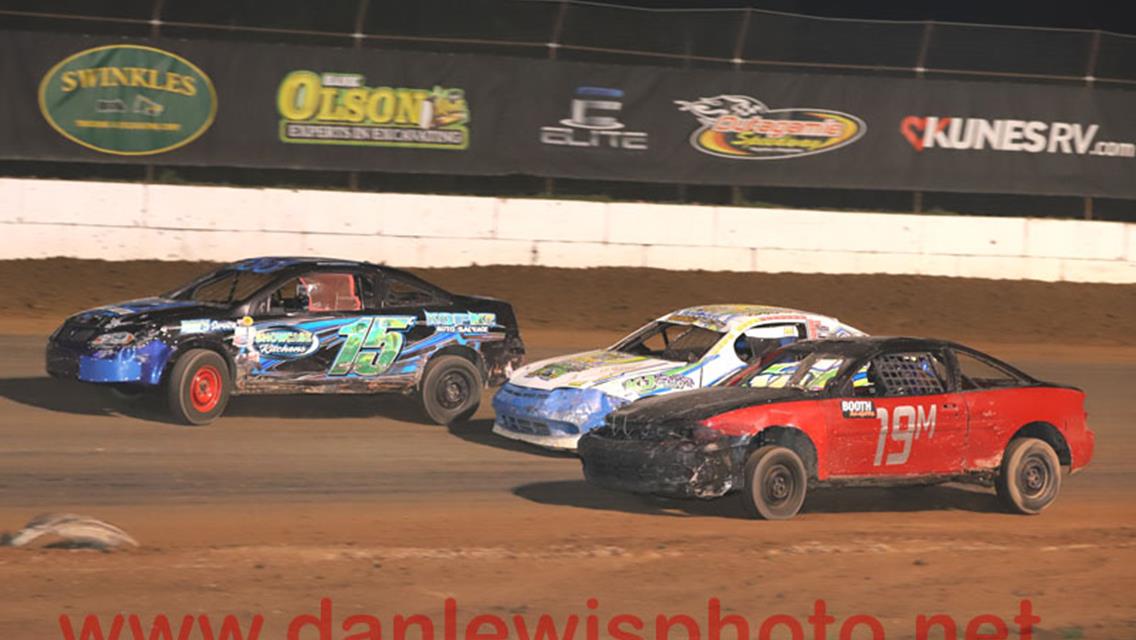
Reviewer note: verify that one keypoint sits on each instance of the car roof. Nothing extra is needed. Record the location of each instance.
(862, 345)
(272, 264)
(726, 317)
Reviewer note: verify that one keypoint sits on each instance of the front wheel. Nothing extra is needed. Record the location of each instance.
(776, 482)
(450, 389)
(198, 387)
(1030, 477)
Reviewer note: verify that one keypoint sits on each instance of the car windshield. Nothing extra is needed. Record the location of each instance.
(670, 341)
(224, 287)
(810, 371)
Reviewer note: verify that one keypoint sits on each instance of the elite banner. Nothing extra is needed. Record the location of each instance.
(162, 101)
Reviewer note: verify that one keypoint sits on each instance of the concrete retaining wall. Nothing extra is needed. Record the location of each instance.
(123, 221)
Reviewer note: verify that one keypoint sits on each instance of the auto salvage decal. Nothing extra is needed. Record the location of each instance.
(340, 108)
(744, 128)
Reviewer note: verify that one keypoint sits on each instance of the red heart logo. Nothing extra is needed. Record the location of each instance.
(912, 128)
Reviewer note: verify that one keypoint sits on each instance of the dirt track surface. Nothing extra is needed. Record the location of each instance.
(287, 500)
(39, 293)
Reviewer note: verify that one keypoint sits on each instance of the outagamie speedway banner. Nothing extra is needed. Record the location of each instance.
(251, 105)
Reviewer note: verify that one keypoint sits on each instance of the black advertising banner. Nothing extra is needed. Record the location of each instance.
(255, 105)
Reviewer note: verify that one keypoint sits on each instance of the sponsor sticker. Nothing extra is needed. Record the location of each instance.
(858, 408)
(207, 326)
(285, 343)
(594, 123)
(1026, 136)
(340, 108)
(462, 322)
(744, 128)
(649, 383)
(128, 100)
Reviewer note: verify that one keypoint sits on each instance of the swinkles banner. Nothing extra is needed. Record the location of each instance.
(255, 105)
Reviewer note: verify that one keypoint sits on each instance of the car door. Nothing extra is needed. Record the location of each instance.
(417, 320)
(299, 327)
(898, 414)
(988, 390)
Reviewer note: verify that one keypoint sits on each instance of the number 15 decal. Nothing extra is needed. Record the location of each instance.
(907, 424)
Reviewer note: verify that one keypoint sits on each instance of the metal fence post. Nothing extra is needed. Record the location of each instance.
(739, 43)
(360, 19)
(557, 26)
(924, 45)
(156, 18)
(1094, 53)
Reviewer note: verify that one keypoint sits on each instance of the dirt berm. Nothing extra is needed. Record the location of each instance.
(39, 293)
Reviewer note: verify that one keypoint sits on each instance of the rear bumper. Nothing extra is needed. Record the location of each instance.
(1081, 450)
(674, 468)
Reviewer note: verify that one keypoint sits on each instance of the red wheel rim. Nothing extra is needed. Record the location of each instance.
(205, 388)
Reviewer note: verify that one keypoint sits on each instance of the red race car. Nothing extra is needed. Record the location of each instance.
(847, 412)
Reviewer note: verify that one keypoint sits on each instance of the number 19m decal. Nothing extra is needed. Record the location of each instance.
(370, 345)
(907, 425)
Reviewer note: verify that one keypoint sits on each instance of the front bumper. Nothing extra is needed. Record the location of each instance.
(549, 441)
(673, 468)
(140, 365)
(550, 418)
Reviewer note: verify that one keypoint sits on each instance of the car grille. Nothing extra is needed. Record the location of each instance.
(619, 428)
(76, 335)
(524, 425)
(524, 392)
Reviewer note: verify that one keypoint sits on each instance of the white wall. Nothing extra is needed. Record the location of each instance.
(119, 221)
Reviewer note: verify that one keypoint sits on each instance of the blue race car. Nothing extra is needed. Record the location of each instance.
(294, 325)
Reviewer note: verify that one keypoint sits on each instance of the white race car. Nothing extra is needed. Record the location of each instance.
(553, 402)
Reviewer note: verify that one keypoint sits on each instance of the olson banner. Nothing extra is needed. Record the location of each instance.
(251, 105)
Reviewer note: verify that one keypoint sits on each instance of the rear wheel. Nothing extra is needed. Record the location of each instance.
(450, 389)
(1030, 477)
(776, 482)
(198, 387)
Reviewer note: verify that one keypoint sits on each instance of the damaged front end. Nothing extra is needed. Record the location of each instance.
(91, 353)
(684, 460)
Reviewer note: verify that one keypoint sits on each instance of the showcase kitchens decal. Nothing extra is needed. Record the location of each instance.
(339, 108)
(743, 128)
(128, 100)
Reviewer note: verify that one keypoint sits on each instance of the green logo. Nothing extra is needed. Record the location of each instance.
(128, 100)
(370, 345)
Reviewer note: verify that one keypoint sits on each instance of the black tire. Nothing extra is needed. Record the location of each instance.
(1030, 477)
(776, 483)
(450, 390)
(198, 387)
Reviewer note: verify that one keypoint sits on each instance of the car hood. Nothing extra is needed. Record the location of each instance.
(618, 374)
(700, 404)
(147, 311)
